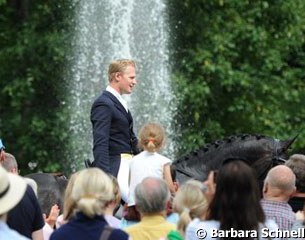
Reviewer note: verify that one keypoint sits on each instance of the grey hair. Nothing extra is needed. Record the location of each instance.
(152, 195)
(297, 164)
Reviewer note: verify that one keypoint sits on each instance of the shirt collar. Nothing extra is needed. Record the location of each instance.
(118, 96)
(113, 91)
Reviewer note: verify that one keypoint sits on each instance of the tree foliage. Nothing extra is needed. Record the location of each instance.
(238, 69)
(34, 36)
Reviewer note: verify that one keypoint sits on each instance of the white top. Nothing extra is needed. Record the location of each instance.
(118, 96)
(145, 164)
(206, 230)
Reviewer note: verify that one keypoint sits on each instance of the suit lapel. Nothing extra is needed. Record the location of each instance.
(118, 105)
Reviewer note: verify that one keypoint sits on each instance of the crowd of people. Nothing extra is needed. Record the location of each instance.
(231, 201)
(130, 191)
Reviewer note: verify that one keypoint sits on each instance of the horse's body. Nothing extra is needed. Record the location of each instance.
(259, 151)
(50, 189)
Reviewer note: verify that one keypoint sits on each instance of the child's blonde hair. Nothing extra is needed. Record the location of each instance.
(190, 202)
(151, 137)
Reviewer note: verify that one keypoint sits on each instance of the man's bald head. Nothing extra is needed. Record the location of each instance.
(279, 183)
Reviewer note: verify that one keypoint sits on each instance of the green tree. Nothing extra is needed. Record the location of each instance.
(238, 69)
(34, 46)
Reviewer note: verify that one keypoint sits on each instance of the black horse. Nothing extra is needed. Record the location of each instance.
(259, 151)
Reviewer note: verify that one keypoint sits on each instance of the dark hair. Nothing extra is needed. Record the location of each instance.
(236, 203)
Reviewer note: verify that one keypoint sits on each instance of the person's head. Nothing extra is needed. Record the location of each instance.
(236, 203)
(279, 183)
(69, 203)
(151, 137)
(122, 75)
(190, 202)
(297, 164)
(152, 196)
(12, 189)
(92, 191)
(9, 162)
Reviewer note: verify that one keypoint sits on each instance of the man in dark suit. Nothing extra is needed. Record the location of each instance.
(114, 140)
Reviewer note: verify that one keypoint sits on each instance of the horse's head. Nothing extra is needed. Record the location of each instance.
(258, 151)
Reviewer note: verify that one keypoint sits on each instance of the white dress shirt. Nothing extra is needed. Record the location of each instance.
(118, 96)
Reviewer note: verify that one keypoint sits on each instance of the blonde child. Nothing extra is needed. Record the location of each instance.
(190, 202)
(150, 163)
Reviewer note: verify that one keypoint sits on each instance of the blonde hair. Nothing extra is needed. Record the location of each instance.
(92, 191)
(69, 203)
(151, 137)
(190, 202)
(119, 65)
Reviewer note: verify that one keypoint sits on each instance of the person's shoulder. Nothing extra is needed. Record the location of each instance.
(103, 101)
(132, 228)
(64, 232)
(163, 158)
(138, 158)
(104, 97)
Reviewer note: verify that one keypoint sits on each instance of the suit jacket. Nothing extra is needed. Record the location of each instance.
(112, 133)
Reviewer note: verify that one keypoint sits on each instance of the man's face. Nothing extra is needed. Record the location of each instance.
(127, 80)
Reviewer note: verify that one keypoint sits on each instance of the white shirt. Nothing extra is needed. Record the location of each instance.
(118, 96)
(145, 164)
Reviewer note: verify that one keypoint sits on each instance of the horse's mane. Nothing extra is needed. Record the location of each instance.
(259, 151)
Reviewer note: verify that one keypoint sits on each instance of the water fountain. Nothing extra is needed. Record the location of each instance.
(107, 30)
